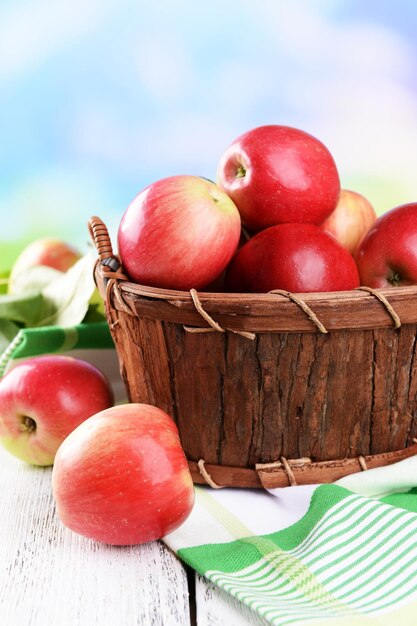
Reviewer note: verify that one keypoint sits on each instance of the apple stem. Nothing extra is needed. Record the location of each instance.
(245, 233)
(240, 171)
(28, 424)
(395, 279)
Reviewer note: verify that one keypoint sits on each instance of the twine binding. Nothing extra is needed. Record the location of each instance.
(203, 313)
(287, 466)
(390, 309)
(362, 463)
(288, 471)
(206, 475)
(284, 464)
(214, 326)
(303, 306)
(212, 323)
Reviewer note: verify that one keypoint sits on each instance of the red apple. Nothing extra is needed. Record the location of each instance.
(387, 255)
(43, 399)
(351, 219)
(218, 285)
(122, 477)
(178, 233)
(277, 174)
(294, 257)
(51, 252)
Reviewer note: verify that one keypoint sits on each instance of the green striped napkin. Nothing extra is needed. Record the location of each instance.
(336, 554)
(91, 342)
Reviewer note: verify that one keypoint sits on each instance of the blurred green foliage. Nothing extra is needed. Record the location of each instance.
(9, 251)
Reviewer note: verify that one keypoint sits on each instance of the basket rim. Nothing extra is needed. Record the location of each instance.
(248, 313)
(162, 293)
(274, 312)
(105, 251)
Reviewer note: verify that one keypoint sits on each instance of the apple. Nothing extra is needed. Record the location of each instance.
(218, 285)
(387, 255)
(122, 478)
(277, 174)
(294, 257)
(178, 233)
(352, 218)
(43, 399)
(50, 252)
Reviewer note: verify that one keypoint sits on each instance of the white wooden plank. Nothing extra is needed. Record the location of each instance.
(49, 575)
(215, 607)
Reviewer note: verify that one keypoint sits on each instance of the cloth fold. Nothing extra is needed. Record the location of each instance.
(342, 553)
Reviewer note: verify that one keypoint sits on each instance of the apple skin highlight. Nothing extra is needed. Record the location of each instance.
(276, 174)
(178, 233)
(387, 255)
(294, 257)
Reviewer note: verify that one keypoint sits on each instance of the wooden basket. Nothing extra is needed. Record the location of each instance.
(269, 389)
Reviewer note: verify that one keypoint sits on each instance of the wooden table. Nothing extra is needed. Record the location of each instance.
(49, 575)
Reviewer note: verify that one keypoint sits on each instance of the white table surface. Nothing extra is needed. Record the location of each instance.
(51, 576)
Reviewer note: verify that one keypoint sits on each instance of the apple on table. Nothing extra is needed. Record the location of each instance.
(48, 251)
(43, 399)
(122, 477)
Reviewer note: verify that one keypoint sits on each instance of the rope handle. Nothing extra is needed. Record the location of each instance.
(100, 237)
(108, 261)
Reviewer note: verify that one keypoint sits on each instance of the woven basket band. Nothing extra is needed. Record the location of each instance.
(287, 472)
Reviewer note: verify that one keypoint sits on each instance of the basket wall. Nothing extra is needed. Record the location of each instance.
(239, 402)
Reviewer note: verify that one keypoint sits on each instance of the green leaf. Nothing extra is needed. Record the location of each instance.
(8, 331)
(25, 309)
(66, 299)
(34, 278)
(97, 300)
(44, 296)
(94, 314)
(4, 281)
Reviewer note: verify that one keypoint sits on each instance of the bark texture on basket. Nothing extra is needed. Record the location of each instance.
(302, 394)
(327, 386)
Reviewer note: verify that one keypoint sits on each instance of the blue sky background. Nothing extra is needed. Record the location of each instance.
(99, 98)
